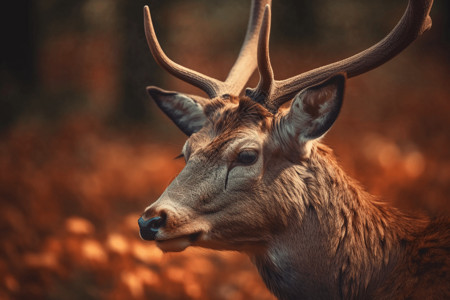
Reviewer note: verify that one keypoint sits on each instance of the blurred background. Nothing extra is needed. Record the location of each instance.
(83, 150)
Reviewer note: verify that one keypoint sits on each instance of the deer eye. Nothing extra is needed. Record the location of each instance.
(247, 157)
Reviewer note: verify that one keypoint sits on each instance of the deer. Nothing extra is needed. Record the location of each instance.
(258, 180)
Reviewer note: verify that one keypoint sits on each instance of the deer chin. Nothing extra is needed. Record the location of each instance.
(177, 244)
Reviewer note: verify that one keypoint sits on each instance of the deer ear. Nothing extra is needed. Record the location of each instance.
(314, 110)
(184, 110)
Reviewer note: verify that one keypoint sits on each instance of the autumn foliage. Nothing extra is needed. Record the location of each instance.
(75, 177)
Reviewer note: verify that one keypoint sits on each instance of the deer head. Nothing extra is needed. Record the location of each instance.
(237, 187)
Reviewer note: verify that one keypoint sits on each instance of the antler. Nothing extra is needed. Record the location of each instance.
(273, 93)
(240, 72)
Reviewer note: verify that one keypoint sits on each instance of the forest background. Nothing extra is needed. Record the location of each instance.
(83, 150)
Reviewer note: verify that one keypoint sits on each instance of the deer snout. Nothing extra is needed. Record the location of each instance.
(149, 227)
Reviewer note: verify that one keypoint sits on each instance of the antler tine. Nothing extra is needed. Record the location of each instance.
(246, 62)
(211, 86)
(266, 77)
(413, 23)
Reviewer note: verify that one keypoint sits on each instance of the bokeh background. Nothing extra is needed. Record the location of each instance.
(83, 150)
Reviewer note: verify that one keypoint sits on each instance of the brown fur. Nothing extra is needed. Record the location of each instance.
(226, 123)
(312, 231)
(377, 248)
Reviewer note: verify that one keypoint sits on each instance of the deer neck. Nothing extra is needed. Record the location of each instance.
(339, 243)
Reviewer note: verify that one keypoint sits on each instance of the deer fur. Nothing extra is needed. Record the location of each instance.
(258, 180)
(341, 243)
(311, 230)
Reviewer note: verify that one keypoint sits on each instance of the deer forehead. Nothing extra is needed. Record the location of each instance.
(232, 125)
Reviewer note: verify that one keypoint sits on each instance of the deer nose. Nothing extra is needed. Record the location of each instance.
(148, 228)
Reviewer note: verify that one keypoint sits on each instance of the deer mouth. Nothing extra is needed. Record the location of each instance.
(177, 244)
